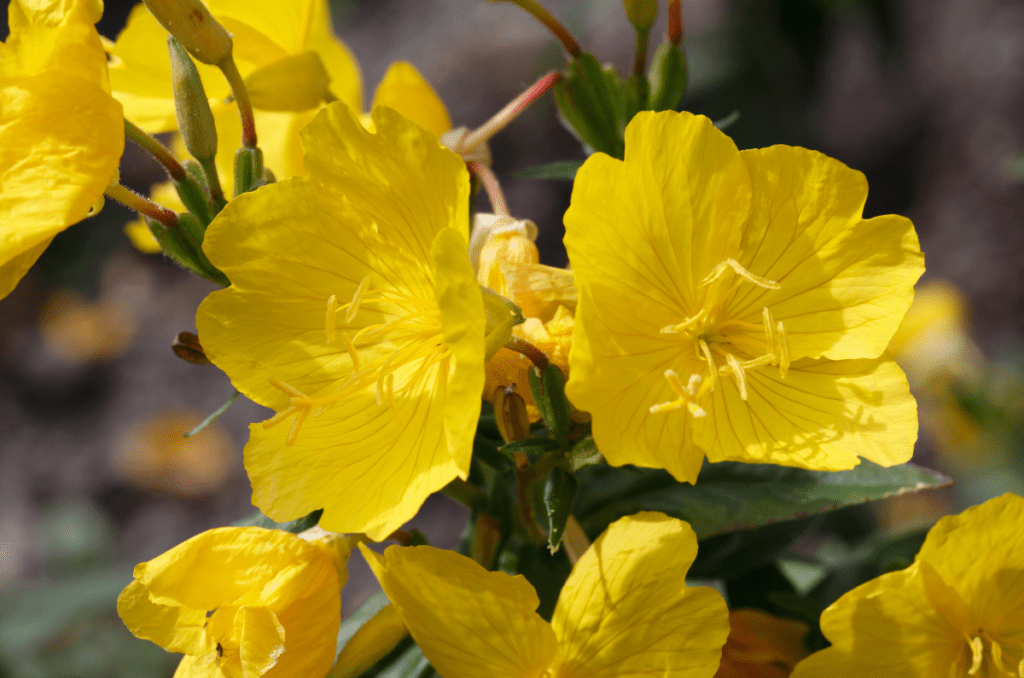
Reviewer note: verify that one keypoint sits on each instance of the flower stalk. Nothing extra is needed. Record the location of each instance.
(144, 206)
(152, 146)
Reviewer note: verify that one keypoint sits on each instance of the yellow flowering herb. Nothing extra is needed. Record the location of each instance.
(624, 611)
(957, 612)
(242, 602)
(736, 304)
(354, 313)
(52, 67)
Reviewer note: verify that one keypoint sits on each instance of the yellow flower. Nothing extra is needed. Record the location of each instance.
(242, 602)
(624, 611)
(958, 611)
(736, 304)
(354, 313)
(508, 262)
(291, 62)
(761, 645)
(52, 67)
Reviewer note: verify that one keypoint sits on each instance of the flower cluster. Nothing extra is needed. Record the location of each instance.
(719, 306)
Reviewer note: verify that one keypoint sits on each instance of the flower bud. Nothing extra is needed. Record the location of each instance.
(190, 22)
(668, 76)
(195, 119)
(641, 13)
(510, 414)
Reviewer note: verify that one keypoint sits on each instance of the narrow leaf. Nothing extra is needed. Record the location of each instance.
(559, 494)
(564, 170)
(215, 415)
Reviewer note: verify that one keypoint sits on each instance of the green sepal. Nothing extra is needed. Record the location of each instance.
(668, 75)
(548, 388)
(559, 495)
(195, 199)
(588, 106)
(248, 170)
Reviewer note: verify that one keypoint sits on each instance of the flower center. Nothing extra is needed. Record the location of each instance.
(1001, 662)
(410, 334)
(724, 345)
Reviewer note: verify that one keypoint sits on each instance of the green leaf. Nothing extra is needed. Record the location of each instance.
(564, 170)
(559, 494)
(215, 415)
(294, 526)
(731, 496)
(548, 388)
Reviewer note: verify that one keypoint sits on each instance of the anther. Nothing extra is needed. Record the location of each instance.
(769, 331)
(976, 655)
(783, 342)
(685, 395)
(712, 370)
(332, 310)
(357, 298)
(686, 324)
(737, 371)
(351, 350)
(717, 272)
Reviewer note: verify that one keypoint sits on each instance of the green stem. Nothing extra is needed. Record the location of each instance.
(213, 181)
(154, 148)
(466, 494)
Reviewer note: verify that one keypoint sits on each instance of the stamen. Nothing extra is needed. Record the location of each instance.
(737, 370)
(351, 350)
(717, 272)
(390, 387)
(380, 378)
(332, 310)
(685, 395)
(769, 332)
(686, 324)
(296, 425)
(290, 390)
(357, 298)
(976, 656)
(713, 371)
(783, 340)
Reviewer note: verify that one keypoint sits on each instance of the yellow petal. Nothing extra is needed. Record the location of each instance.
(885, 628)
(53, 68)
(374, 639)
(845, 282)
(404, 89)
(823, 415)
(294, 83)
(470, 623)
(173, 627)
(462, 316)
(991, 586)
(262, 641)
(626, 610)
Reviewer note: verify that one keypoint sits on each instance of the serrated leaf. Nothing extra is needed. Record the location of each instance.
(294, 526)
(731, 496)
(563, 170)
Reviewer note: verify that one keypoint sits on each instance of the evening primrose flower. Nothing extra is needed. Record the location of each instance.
(508, 262)
(354, 313)
(958, 611)
(242, 602)
(52, 67)
(736, 304)
(624, 611)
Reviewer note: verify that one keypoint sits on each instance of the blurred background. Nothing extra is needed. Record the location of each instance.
(926, 97)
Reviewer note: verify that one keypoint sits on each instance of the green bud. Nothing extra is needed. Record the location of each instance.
(190, 22)
(194, 198)
(591, 105)
(248, 170)
(195, 119)
(641, 13)
(668, 76)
